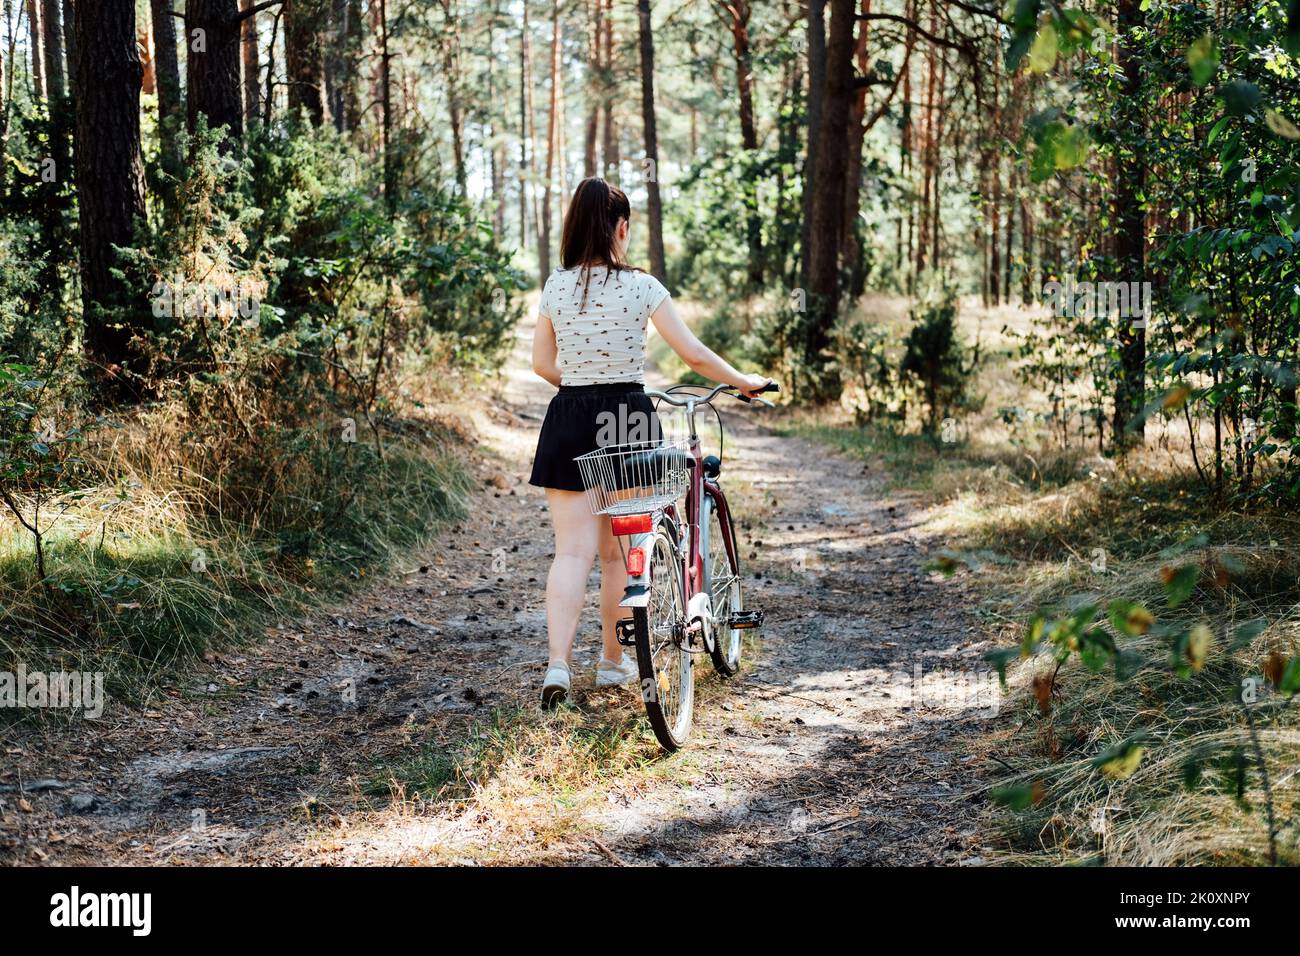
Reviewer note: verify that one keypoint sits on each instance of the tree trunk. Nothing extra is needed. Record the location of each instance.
(925, 219)
(561, 141)
(534, 193)
(52, 28)
(1130, 236)
(212, 67)
(167, 78)
(1026, 252)
(37, 43)
(334, 48)
(349, 97)
(778, 254)
(852, 249)
(906, 166)
(451, 79)
(609, 137)
(304, 58)
(70, 43)
(386, 101)
(252, 65)
(5, 74)
(552, 131)
(496, 148)
(595, 37)
(148, 83)
(936, 153)
(816, 90)
(828, 204)
(110, 178)
(525, 154)
(995, 199)
(736, 14)
(1008, 228)
(654, 210)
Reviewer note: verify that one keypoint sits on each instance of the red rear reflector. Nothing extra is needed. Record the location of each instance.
(632, 524)
(636, 562)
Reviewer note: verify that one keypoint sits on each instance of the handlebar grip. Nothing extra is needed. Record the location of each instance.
(769, 387)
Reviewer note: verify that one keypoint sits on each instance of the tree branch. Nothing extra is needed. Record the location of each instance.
(256, 9)
(911, 25)
(978, 11)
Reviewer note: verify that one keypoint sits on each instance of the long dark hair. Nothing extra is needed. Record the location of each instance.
(589, 226)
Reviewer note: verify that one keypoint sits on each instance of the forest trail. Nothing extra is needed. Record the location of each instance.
(820, 752)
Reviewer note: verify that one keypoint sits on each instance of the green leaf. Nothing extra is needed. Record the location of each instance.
(1290, 682)
(1033, 635)
(1042, 54)
(1017, 796)
(1121, 760)
(1203, 59)
(1016, 50)
(1216, 129)
(1180, 584)
(1096, 650)
(1025, 15)
(1129, 618)
(1071, 147)
(1000, 659)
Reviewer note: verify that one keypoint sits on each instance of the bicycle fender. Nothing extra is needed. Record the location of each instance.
(635, 595)
(637, 592)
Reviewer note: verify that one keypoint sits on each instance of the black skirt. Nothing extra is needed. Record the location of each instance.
(583, 418)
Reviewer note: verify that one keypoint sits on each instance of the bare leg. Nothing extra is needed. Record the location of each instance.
(613, 581)
(577, 533)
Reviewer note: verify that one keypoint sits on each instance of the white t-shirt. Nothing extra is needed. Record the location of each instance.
(605, 340)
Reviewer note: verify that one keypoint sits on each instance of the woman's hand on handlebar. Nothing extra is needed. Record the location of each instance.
(751, 385)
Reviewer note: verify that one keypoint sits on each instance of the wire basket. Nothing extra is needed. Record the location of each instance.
(635, 477)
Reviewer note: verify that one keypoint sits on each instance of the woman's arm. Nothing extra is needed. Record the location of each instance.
(699, 356)
(545, 355)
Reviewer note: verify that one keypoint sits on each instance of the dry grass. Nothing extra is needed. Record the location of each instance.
(1041, 526)
(167, 547)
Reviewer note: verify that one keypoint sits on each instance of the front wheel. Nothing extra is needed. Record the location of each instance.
(662, 650)
(722, 581)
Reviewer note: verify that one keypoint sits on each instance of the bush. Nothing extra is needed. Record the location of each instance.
(280, 452)
(936, 366)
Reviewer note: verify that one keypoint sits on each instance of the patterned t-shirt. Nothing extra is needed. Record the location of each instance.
(605, 340)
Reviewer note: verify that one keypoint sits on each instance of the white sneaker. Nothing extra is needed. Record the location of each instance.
(555, 686)
(609, 674)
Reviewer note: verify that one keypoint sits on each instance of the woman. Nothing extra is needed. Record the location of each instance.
(590, 343)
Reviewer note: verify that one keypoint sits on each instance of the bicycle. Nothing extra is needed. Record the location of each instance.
(683, 566)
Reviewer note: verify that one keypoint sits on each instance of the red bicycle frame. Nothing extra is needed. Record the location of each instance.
(690, 539)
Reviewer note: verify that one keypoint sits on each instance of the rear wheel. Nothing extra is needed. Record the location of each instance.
(662, 652)
(722, 581)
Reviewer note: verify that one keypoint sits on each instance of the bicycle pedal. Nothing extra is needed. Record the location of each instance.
(744, 620)
(626, 632)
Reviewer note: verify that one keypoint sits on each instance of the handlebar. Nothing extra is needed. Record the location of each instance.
(693, 400)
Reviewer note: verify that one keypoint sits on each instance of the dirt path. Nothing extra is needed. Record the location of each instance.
(822, 752)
